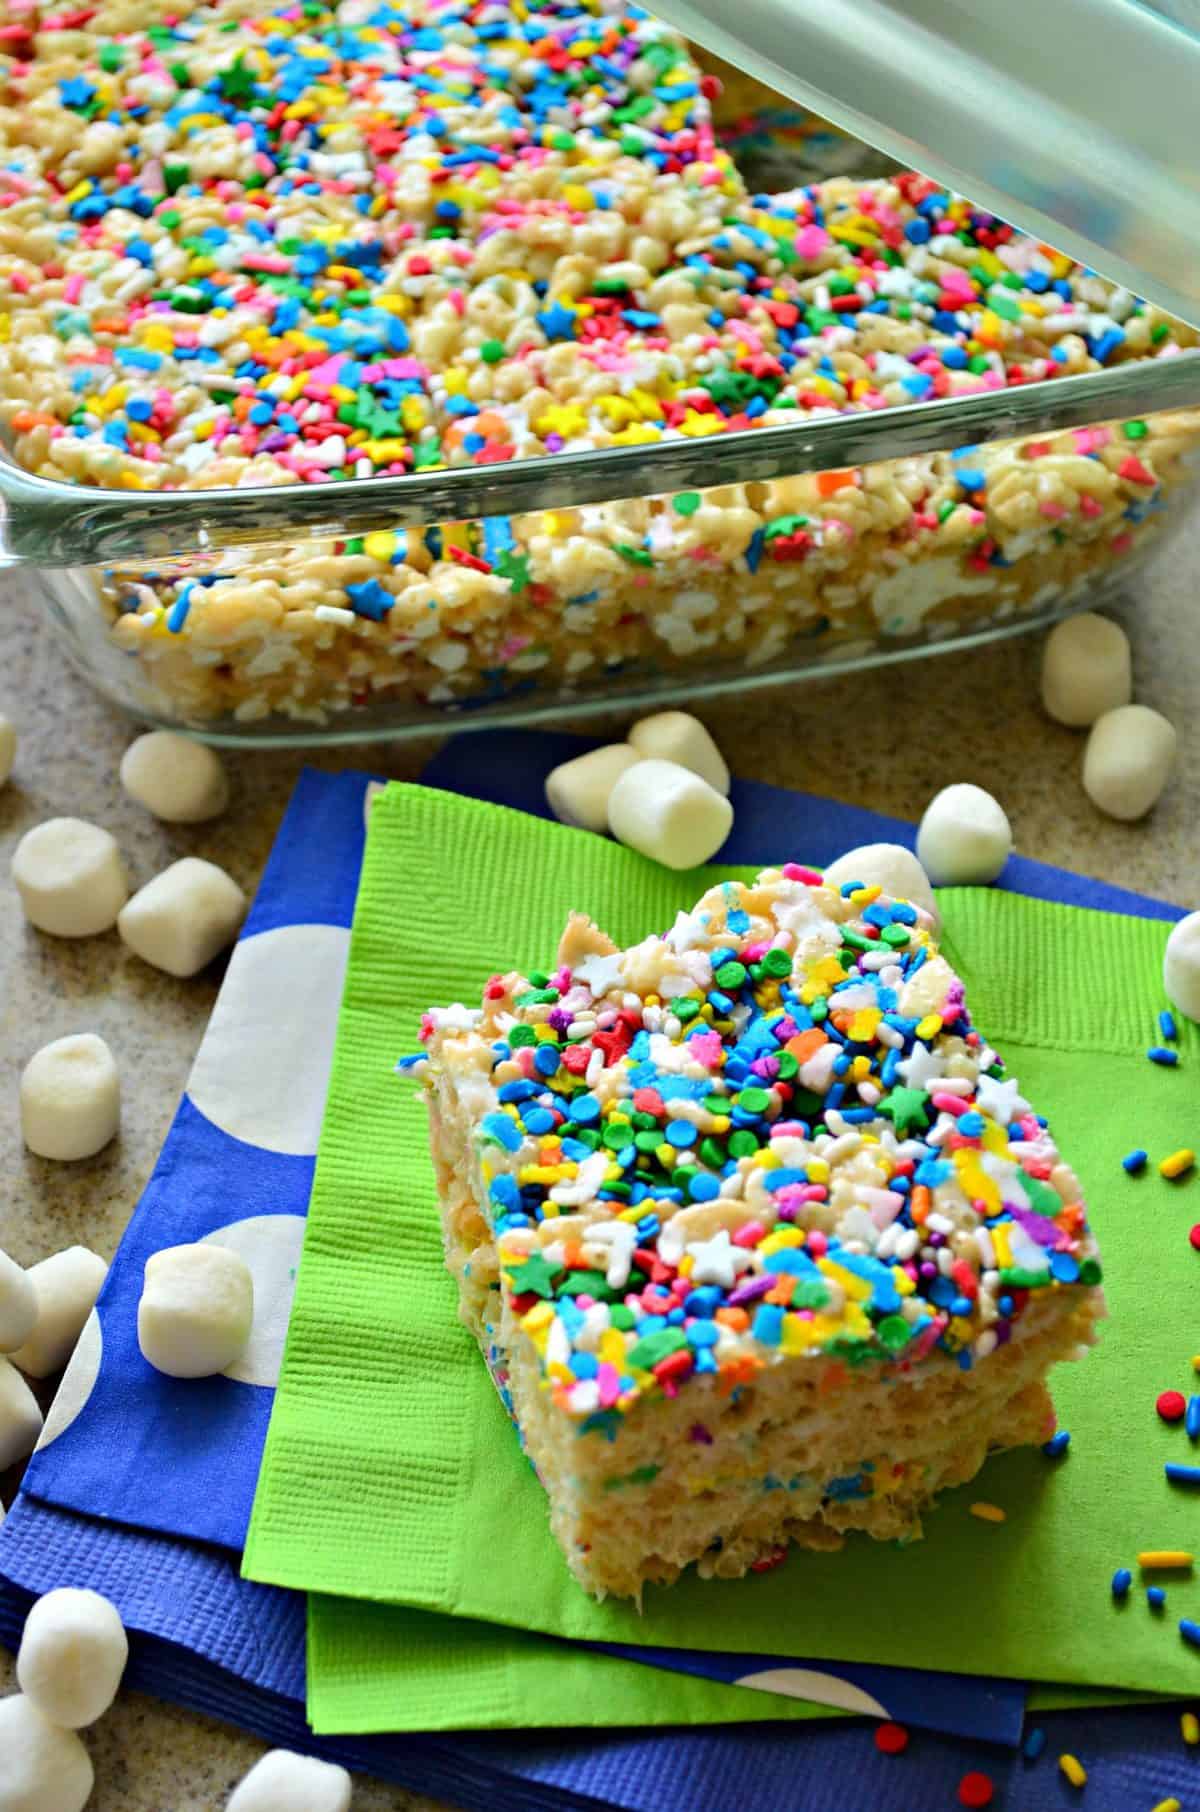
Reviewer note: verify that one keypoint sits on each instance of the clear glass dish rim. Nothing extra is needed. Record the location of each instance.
(46, 523)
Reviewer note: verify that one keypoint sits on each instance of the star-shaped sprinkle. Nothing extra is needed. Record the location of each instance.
(1002, 1100)
(599, 973)
(717, 1260)
(907, 1109)
(535, 1277)
(921, 1067)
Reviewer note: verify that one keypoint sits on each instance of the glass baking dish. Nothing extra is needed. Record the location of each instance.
(622, 575)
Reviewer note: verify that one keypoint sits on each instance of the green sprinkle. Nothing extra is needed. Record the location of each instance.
(777, 963)
(492, 351)
(522, 1035)
(894, 1333)
(651, 1350)
(742, 1143)
(753, 1100)
(730, 975)
(1134, 430)
(687, 503)
(637, 556)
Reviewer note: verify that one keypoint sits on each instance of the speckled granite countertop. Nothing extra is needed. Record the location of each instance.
(964, 717)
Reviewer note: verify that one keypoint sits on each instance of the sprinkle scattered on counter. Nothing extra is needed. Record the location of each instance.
(1156, 1597)
(1182, 1475)
(989, 1513)
(1159, 1053)
(1057, 1445)
(1034, 1743)
(1134, 1162)
(891, 1739)
(1190, 1632)
(1178, 1164)
(1122, 1579)
(976, 1790)
(1154, 1559)
(1171, 1405)
(1194, 1239)
(1168, 1030)
(1191, 1420)
(1168, 1805)
(1189, 1727)
(1074, 1770)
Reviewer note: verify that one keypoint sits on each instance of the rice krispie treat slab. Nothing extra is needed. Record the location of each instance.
(758, 1238)
(248, 243)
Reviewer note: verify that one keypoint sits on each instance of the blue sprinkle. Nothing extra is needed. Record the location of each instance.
(1058, 1443)
(504, 1130)
(1134, 1162)
(1158, 1053)
(1034, 1743)
(585, 1110)
(681, 1134)
(1156, 1597)
(1181, 1475)
(1167, 1026)
(546, 1059)
(1190, 1631)
(1191, 1420)
(1122, 1579)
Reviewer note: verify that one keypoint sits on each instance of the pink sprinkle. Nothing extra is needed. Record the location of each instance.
(608, 1382)
(1090, 506)
(950, 1104)
(749, 1235)
(816, 1243)
(792, 871)
(811, 241)
(73, 287)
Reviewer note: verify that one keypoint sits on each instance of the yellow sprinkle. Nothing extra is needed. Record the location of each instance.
(1074, 1770)
(1168, 1805)
(989, 1513)
(1164, 1557)
(1189, 1727)
(929, 1027)
(1178, 1162)
(1196, 1362)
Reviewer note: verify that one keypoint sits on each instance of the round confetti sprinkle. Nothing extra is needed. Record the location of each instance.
(1171, 1404)
(976, 1789)
(1194, 1237)
(891, 1739)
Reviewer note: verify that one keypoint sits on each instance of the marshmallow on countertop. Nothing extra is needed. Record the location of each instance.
(184, 917)
(70, 877)
(18, 1305)
(72, 1655)
(70, 1098)
(668, 813)
(964, 839)
(889, 866)
(196, 1310)
(1181, 966)
(577, 791)
(285, 1782)
(20, 1420)
(679, 737)
(180, 781)
(1128, 760)
(66, 1286)
(42, 1768)
(8, 748)
(1087, 670)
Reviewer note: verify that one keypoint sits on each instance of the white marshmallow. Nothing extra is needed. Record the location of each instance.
(20, 1418)
(70, 877)
(679, 737)
(180, 781)
(890, 866)
(668, 813)
(1127, 761)
(70, 1098)
(42, 1768)
(577, 791)
(66, 1286)
(964, 838)
(183, 917)
(72, 1655)
(1087, 669)
(196, 1310)
(18, 1305)
(285, 1782)
(1181, 966)
(8, 748)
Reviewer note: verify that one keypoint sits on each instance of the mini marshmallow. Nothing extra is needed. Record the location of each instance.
(180, 781)
(70, 877)
(1087, 669)
(66, 1286)
(70, 1098)
(72, 1655)
(577, 791)
(8, 748)
(1127, 761)
(964, 839)
(679, 737)
(18, 1305)
(42, 1768)
(183, 917)
(285, 1782)
(889, 866)
(196, 1310)
(1181, 966)
(20, 1417)
(668, 813)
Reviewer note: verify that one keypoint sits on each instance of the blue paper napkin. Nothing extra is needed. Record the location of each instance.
(182, 1458)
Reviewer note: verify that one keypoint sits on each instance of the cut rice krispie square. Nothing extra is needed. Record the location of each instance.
(760, 1242)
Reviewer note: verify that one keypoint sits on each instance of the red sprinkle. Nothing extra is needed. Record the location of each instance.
(891, 1739)
(1171, 1405)
(975, 1789)
(1194, 1236)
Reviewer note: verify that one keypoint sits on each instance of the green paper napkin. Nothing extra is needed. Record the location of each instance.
(386, 1417)
(375, 1667)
